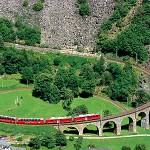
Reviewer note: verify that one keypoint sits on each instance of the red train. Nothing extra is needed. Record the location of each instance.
(52, 120)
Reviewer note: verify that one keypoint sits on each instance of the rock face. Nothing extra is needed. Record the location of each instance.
(62, 24)
(60, 21)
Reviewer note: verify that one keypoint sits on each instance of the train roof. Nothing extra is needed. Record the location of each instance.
(84, 115)
(60, 117)
(7, 116)
(30, 118)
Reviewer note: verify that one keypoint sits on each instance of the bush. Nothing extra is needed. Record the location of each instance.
(25, 3)
(38, 6)
(57, 61)
(71, 138)
(84, 9)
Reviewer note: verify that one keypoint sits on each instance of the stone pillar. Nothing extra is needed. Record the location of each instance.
(130, 124)
(100, 131)
(134, 126)
(118, 128)
(80, 132)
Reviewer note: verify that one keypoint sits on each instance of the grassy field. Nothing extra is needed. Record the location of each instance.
(30, 106)
(115, 144)
(8, 82)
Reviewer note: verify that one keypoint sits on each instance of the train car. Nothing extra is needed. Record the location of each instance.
(86, 117)
(8, 119)
(55, 120)
(30, 121)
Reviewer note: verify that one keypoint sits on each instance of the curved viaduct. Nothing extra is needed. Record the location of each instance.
(142, 111)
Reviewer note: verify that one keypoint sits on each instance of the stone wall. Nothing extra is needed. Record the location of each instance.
(60, 21)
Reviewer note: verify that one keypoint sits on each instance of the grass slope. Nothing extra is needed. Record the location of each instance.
(30, 106)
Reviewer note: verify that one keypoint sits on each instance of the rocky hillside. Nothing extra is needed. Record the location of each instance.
(60, 21)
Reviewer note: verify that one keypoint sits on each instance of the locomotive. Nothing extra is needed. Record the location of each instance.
(52, 120)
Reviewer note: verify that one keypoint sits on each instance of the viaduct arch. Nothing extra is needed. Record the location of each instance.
(133, 115)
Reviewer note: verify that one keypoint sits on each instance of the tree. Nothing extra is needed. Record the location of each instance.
(48, 141)
(1, 42)
(67, 98)
(73, 84)
(59, 82)
(87, 72)
(125, 148)
(57, 61)
(60, 139)
(2, 70)
(142, 97)
(140, 147)
(81, 109)
(106, 78)
(88, 88)
(35, 143)
(106, 112)
(27, 75)
(99, 67)
(78, 143)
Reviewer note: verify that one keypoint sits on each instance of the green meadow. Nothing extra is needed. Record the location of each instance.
(29, 106)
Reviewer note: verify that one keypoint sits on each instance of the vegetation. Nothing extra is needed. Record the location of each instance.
(132, 40)
(84, 8)
(25, 3)
(38, 5)
(19, 32)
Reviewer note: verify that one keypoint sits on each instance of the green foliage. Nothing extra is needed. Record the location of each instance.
(84, 9)
(57, 61)
(81, 109)
(30, 35)
(142, 97)
(25, 3)
(38, 6)
(91, 145)
(88, 88)
(19, 139)
(35, 143)
(71, 138)
(132, 40)
(1, 42)
(78, 143)
(125, 148)
(48, 141)
(60, 139)
(106, 112)
(140, 147)
(2, 70)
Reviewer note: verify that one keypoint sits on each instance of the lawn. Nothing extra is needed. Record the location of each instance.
(8, 82)
(30, 106)
(115, 144)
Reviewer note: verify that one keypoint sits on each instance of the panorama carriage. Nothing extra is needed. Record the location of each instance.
(52, 120)
(30, 121)
(8, 119)
(55, 120)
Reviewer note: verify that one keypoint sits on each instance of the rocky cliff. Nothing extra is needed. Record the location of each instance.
(60, 21)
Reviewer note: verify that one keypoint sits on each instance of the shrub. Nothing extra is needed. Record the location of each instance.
(25, 3)
(84, 9)
(71, 138)
(57, 61)
(38, 6)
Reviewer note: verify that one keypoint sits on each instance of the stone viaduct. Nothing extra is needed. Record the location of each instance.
(133, 115)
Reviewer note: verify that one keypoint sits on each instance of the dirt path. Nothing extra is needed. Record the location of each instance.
(19, 89)
(116, 137)
(113, 102)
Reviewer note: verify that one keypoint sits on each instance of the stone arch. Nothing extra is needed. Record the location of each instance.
(89, 129)
(141, 119)
(127, 123)
(71, 130)
(110, 126)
